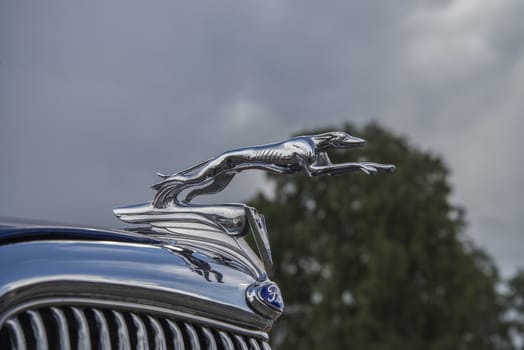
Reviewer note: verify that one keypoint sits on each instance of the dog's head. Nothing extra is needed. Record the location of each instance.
(337, 139)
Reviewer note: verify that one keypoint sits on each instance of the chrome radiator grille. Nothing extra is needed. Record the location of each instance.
(80, 327)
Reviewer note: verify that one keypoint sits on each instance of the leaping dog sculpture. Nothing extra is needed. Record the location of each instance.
(302, 153)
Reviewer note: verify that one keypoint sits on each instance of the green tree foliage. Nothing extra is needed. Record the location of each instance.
(379, 262)
(515, 305)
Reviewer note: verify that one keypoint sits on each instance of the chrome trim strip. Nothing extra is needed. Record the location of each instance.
(210, 339)
(123, 333)
(158, 334)
(142, 343)
(178, 338)
(39, 329)
(18, 333)
(103, 329)
(63, 328)
(84, 339)
(193, 336)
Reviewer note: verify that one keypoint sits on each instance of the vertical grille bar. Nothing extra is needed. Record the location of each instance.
(103, 330)
(142, 343)
(253, 344)
(226, 341)
(193, 336)
(241, 342)
(158, 334)
(178, 338)
(84, 340)
(82, 327)
(210, 339)
(17, 333)
(63, 328)
(265, 346)
(39, 329)
(122, 332)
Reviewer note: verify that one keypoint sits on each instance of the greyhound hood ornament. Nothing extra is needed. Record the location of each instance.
(224, 226)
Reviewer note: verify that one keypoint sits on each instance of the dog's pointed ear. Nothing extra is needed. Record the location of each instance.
(323, 140)
(325, 136)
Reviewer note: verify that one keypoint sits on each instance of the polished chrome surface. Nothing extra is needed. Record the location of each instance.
(63, 328)
(122, 331)
(39, 329)
(226, 340)
(210, 340)
(168, 274)
(178, 216)
(141, 333)
(103, 323)
(103, 330)
(265, 346)
(158, 334)
(17, 230)
(64, 302)
(84, 340)
(242, 345)
(225, 218)
(298, 154)
(178, 339)
(189, 279)
(221, 228)
(17, 334)
(254, 345)
(234, 246)
(193, 337)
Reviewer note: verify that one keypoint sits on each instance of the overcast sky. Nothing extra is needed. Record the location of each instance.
(95, 96)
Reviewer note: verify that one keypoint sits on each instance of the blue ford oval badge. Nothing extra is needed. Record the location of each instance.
(266, 299)
(270, 294)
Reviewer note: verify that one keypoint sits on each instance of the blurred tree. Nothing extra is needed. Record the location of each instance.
(379, 262)
(514, 296)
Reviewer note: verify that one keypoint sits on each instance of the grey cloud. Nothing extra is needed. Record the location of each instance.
(96, 96)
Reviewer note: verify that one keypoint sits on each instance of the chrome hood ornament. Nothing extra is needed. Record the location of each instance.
(223, 226)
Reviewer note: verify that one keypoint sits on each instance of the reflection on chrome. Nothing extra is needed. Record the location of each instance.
(200, 266)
